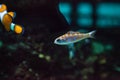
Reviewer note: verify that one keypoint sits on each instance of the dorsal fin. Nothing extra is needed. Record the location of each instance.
(70, 32)
(73, 32)
(12, 14)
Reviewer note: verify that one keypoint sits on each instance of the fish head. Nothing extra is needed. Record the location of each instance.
(59, 41)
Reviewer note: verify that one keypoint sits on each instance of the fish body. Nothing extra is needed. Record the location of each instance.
(73, 37)
(7, 20)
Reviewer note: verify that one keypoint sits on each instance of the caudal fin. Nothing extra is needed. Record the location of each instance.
(92, 34)
(17, 28)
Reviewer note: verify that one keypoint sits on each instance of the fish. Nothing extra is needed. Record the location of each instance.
(7, 20)
(72, 37)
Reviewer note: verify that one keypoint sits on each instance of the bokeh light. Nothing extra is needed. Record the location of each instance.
(66, 9)
(108, 15)
(84, 13)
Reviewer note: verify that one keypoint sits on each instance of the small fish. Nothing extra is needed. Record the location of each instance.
(7, 20)
(73, 37)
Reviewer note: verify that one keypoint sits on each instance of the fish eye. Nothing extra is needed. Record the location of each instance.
(59, 40)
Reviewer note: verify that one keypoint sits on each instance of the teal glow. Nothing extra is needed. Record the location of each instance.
(68, 18)
(108, 15)
(84, 12)
(12, 26)
(107, 23)
(117, 68)
(86, 22)
(98, 48)
(71, 54)
(104, 23)
(84, 8)
(109, 47)
(66, 9)
(1, 44)
(71, 49)
(108, 9)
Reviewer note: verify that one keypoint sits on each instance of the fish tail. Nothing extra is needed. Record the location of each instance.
(92, 34)
(17, 28)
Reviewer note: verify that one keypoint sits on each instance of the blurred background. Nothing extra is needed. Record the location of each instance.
(34, 56)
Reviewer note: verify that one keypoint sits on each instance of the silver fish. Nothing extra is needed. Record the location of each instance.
(73, 37)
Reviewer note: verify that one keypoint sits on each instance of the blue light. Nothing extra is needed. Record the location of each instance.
(108, 15)
(84, 8)
(109, 9)
(103, 23)
(107, 23)
(84, 13)
(68, 18)
(66, 9)
(86, 22)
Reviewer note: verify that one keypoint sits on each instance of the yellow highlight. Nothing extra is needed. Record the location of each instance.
(18, 29)
(3, 8)
(48, 58)
(41, 56)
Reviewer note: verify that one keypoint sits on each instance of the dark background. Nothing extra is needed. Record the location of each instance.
(20, 55)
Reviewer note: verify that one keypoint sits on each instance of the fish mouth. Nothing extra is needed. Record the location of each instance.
(63, 43)
(55, 41)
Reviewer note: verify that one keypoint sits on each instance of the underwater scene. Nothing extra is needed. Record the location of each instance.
(59, 40)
